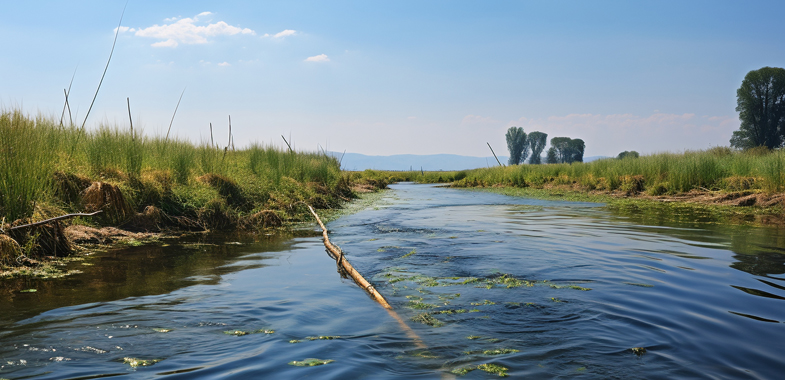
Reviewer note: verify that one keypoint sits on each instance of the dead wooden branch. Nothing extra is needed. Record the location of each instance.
(67, 216)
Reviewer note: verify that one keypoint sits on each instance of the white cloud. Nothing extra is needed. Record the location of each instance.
(318, 58)
(285, 33)
(224, 64)
(170, 19)
(167, 43)
(124, 29)
(186, 31)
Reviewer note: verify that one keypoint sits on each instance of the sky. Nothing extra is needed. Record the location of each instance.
(396, 77)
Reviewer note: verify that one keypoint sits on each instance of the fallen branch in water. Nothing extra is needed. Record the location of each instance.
(347, 268)
(67, 216)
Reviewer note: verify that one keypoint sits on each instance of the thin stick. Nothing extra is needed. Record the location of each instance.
(116, 33)
(494, 154)
(54, 219)
(133, 137)
(287, 143)
(66, 105)
(341, 160)
(175, 113)
(231, 136)
(212, 142)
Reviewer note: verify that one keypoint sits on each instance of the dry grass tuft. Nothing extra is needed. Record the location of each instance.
(107, 197)
(9, 250)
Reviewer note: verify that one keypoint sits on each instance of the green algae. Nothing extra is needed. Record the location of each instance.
(473, 337)
(569, 287)
(418, 305)
(484, 302)
(323, 337)
(413, 251)
(427, 319)
(160, 330)
(242, 332)
(310, 362)
(554, 299)
(295, 341)
(494, 369)
(415, 298)
(28, 291)
(135, 362)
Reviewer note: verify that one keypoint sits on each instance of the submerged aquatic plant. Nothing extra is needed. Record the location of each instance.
(310, 362)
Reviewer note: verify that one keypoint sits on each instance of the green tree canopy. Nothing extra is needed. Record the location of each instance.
(516, 144)
(552, 156)
(537, 141)
(567, 150)
(628, 154)
(760, 102)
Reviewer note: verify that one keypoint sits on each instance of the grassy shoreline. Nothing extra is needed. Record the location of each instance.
(147, 185)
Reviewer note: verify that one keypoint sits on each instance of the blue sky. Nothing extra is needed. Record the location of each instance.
(398, 77)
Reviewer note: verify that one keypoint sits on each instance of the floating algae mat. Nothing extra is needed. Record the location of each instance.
(488, 367)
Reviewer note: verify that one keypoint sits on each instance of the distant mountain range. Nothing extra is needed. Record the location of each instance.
(430, 162)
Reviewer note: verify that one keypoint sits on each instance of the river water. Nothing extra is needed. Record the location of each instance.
(546, 289)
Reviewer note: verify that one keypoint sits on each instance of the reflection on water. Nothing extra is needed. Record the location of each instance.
(546, 289)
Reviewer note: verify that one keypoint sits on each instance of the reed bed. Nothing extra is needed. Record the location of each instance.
(46, 168)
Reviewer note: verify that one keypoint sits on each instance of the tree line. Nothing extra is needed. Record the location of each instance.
(562, 150)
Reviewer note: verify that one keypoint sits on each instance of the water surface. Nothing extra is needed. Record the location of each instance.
(704, 300)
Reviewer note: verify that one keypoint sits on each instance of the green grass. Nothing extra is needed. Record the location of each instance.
(718, 168)
(44, 166)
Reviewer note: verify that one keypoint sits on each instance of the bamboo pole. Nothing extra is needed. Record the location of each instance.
(344, 264)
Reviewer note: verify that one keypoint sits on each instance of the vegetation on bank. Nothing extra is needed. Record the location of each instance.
(143, 183)
(716, 169)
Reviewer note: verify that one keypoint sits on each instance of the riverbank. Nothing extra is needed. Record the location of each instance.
(740, 187)
(146, 188)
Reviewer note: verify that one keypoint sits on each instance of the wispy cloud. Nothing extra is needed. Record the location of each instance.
(224, 64)
(187, 31)
(318, 58)
(285, 33)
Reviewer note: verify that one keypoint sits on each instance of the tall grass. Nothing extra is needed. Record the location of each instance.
(149, 169)
(28, 150)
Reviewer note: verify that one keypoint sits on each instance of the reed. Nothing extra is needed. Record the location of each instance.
(44, 163)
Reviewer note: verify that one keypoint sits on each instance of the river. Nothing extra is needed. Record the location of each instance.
(545, 289)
